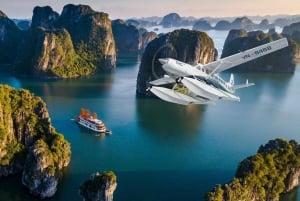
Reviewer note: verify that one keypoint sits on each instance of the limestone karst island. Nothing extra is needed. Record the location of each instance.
(30, 146)
(64, 61)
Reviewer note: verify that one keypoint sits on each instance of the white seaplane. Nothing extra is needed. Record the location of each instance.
(201, 84)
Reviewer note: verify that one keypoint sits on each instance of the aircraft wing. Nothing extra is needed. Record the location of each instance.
(245, 56)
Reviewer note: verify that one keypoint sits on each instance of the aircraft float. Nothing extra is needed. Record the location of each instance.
(201, 84)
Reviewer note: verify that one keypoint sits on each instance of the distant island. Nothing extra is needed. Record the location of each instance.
(249, 23)
(238, 23)
(175, 20)
(274, 170)
(29, 143)
(81, 42)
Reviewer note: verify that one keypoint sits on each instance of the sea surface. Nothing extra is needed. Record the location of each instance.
(161, 151)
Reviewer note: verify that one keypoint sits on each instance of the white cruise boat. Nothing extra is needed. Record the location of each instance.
(91, 122)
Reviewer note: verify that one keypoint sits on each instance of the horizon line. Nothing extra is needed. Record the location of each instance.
(237, 16)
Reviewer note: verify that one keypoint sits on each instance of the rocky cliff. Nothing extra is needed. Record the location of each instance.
(2, 14)
(234, 34)
(265, 176)
(29, 144)
(44, 17)
(279, 61)
(291, 29)
(99, 187)
(147, 37)
(91, 34)
(76, 43)
(129, 38)
(293, 32)
(23, 24)
(51, 54)
(184, 45)
(10, 35)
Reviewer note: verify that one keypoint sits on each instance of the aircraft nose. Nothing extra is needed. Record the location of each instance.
(163, 61)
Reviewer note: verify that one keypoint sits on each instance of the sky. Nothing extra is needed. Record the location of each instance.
(125, 9)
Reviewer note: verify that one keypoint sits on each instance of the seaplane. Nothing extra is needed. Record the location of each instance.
(201, 84)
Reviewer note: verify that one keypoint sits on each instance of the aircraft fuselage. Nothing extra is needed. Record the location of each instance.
(177, 69)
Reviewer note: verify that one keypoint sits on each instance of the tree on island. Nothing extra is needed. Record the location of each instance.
(273, 170)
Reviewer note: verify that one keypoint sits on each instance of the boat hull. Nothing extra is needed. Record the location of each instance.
(92, 126)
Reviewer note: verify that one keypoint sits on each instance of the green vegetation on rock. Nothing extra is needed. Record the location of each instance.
(77, 43)
(264, 176)
(29, 143)
(91, 33)
(52, 54)
(100, 186)
(63, 60)
(16, 108)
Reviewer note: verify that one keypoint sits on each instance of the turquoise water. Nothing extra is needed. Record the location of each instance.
(161, 151)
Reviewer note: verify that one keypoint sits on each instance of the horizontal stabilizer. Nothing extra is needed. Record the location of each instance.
(245, 56)
(175, 97)
(164, 80)
(240, 86)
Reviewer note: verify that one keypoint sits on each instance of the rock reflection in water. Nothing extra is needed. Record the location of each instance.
(84, 87)
(168, 119)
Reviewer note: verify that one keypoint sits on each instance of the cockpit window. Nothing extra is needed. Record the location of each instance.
(179, 63)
